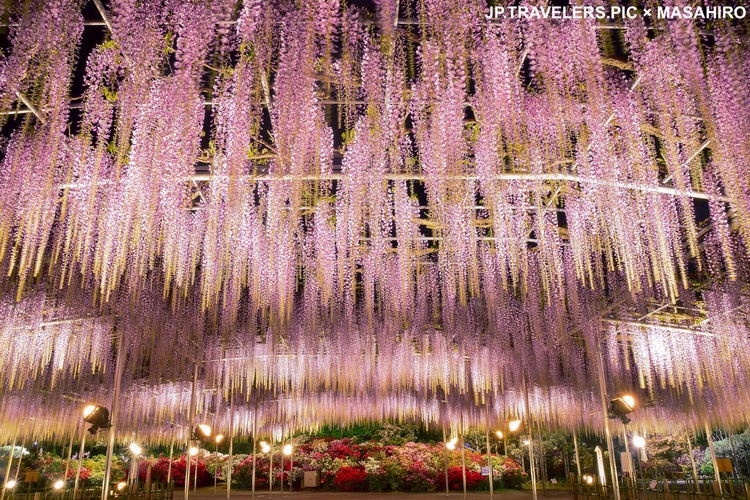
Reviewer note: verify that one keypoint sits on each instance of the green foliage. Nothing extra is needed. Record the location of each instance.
(96, 465)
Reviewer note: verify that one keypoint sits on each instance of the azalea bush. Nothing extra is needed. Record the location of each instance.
(347, 465)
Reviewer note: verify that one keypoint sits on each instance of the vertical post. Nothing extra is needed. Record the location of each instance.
(542, 465)
(255, 443)
(231, 442)
(281, 447)
(291, 468)
(489, 450)
(445, 460)
(20, 456)
(270, 465)
(692, 462)
(191, 417)
(711, 449)
(608, 434)
(195, 481)
(630, 458)
(113, 415)
(10, 461)
(70, 453)
(171, 455)
(216, 461)
(529, 422)
(80, 462)
(578, 458)
(463, 454)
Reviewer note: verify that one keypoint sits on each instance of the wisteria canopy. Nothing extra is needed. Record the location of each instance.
(335, 212)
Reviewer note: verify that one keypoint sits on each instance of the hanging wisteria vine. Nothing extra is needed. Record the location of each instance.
(366, 214)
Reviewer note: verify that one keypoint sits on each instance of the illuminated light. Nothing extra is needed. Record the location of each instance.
(193, 451)
(121, 485)
(514, 425)
(588, 479)
(219, 438)
(287, 449)
(11, 484)
(265, 447)
(499, 434)
(639, 441)
(97, 416)
(629, 400)
(135, 449)
(203, 431)
(451, 445)
(58, 484)
(526, 442)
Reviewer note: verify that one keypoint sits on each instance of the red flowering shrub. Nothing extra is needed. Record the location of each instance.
(455, 478)
(513, 474)
(160, 471)
(350, 479)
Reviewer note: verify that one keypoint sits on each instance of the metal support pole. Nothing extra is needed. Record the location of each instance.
(195, 482)
(10, 462)
(463, 455)
(80, 462)
(542, 465)
(20, 456)
(113, 415)
(608, 434)
(270, 466)
(291, 468)
(70, 454)
(231, 443)
(171, 455)
(445, 460)
(191, 420)
(711, 449)
(578, 458)
(529, 422)
(489, 450)
(631, 482)
(255, 444)
(692, 462)
(216, 462)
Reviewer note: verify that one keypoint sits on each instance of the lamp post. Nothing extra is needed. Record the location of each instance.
(267, 448)
(202, 433)
(219, 438)
(135, 452)
(192, 452)
(500, 435)
(640, 443)
(289, 452)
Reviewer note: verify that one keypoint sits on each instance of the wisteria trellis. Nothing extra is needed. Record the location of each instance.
(367, 214)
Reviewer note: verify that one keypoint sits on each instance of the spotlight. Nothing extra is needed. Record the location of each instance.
(193, 451)
(97, 416)
(515, 425)
(499, 434)
(265, 447)
(202, 432)
(639, 441)
(219, 438)
(10, 484)
(451, 445)
(620, 406)
(588, 479)
(287, 449)
(526, 442)
(121, 485)
(58, 484)
(135, 449)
